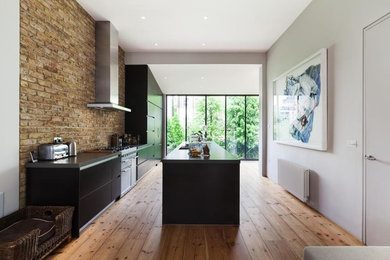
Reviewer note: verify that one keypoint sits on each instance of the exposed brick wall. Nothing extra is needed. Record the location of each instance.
(57, 80)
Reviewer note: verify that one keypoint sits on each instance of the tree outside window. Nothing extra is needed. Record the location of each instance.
(241, 127)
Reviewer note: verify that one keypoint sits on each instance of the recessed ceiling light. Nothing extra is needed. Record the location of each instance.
(205, 17)
(203, 44)
(165, 77)
(155, 44)
(202, 78)
(143, 17)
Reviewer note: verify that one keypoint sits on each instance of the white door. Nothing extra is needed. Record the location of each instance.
(377, 131)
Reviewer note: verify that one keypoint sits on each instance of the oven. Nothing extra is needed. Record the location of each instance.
(128, 169)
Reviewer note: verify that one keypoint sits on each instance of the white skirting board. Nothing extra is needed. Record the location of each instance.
(294, 178)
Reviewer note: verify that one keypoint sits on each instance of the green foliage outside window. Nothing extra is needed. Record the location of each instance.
(216, 119)
(252, 127)
(235, 124)
(175, 132)
(196, 121)
(236, 119)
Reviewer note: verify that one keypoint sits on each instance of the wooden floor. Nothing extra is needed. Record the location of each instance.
(274, 225)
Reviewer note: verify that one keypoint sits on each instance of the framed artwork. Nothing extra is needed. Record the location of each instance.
(300, 104)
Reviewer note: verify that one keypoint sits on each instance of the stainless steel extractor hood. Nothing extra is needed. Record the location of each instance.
(107, 68)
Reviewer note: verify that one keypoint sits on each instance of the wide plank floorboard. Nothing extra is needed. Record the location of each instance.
(273, 225)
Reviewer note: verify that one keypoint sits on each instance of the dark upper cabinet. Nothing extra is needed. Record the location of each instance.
(145, 98)
(136, 92)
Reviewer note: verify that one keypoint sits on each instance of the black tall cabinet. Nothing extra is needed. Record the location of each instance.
(145, 98)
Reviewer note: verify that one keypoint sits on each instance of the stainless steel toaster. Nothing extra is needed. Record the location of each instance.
(50, 152)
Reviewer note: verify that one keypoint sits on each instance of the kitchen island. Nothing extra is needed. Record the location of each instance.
(201, 190)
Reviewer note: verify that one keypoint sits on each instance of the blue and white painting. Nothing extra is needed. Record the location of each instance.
(300, 104)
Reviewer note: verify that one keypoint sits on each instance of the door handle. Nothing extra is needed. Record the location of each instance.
(370, 157)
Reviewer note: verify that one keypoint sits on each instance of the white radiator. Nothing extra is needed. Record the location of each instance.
(294, 178)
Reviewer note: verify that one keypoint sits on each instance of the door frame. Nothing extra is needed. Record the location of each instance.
(364, 161)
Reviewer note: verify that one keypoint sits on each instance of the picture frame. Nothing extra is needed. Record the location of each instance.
(300, 104)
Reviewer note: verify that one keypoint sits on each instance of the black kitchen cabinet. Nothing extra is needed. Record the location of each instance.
(115, 169)
(89, 182)
(143, 155)
(144, 167)
(144, 96)
(93, 203)
(146, 160)
(154, 91)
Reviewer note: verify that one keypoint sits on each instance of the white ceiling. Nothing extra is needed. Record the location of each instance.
(180, 25)
(207, 78)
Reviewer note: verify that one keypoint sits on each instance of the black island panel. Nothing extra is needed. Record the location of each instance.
(200, 190)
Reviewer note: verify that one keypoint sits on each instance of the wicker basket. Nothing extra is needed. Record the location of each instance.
(26, 247)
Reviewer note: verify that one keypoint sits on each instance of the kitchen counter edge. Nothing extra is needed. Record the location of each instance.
(82, 160)
(218, 155)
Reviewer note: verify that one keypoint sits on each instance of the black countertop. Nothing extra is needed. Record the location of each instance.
(217, 155)
(82, 160)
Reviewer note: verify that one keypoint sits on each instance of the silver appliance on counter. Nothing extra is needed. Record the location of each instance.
(51, 152)
(72, 148)
(128, 169)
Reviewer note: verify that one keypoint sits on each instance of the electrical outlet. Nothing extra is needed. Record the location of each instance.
(1, 204)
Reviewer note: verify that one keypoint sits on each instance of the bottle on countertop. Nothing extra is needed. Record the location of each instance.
(115, 140)
(206, 151)
(121, 140)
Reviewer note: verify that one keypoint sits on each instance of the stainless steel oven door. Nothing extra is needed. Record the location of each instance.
(133, 176)
(125, 180)
(125, 162)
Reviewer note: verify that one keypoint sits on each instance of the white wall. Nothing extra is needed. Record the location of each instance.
(194, 58)
(9, 104)
(336, 187)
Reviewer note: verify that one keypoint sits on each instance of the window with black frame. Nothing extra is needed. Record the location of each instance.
(232, 121)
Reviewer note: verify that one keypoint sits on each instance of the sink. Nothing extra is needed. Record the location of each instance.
(184, 147)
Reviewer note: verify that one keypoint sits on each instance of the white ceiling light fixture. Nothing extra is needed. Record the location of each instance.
(205, 17)
(203, 44)
(155, 44)
(202, 78)
(143, 17)
(165, 77)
